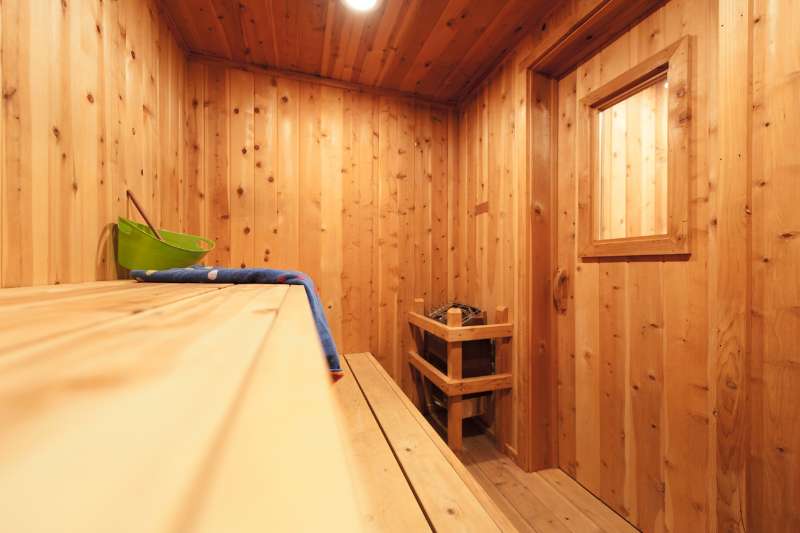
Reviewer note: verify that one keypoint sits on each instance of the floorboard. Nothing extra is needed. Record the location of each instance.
(548, 501)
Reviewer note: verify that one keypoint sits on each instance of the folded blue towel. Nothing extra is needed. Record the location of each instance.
(202, 274)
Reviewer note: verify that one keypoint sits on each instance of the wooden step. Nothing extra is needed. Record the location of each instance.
(447, 493)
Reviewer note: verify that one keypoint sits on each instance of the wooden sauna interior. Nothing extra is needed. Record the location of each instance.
(617, 179)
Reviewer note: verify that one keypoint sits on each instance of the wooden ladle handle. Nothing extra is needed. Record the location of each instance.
(144, 215)
(560, 290)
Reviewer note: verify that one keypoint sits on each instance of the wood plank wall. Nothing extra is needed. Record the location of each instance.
(676, 378)
(347, 186)
(773, 460)
(502, 228)
(92, 97)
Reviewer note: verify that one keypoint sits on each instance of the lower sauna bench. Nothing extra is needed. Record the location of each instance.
(386, 435)
(137, 407)
(407, 479)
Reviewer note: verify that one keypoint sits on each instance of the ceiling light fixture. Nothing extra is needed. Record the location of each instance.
(361, 5)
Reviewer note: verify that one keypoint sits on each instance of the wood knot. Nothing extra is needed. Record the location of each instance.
(240, 191)
(257, 110)
(56, 132)
(235, 110)
(270, 179)
(284, 99)
(9, 93)
(90, 97)
(247, 230)
(244, 151)
(133, 54)
(257, 147)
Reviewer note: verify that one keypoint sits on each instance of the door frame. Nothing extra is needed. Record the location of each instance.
(559, 49)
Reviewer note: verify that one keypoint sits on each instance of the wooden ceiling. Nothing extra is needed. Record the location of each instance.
(432, 48)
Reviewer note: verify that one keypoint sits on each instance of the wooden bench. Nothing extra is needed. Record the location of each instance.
(155, 407)
(136, 407)
(407, 477)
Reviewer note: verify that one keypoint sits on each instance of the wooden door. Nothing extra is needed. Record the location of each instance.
(634, 401)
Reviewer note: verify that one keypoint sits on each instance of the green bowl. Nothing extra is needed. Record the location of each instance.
(139, 249)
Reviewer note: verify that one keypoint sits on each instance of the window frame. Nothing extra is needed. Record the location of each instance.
(674, 60)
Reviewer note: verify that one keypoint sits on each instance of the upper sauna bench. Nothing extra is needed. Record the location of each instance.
(138, 407)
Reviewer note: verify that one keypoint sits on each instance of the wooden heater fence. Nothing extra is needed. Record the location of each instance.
(453, 384)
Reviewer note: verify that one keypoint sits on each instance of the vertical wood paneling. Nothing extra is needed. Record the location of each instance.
(311, 178)
(266, 169)
(439, 207)
(242, 168)
(92, 95)
(217, 155)
(288, 178)
(730, 235)
(37, 180)
(773, 463)
(17, 100)
(498, 250)
(332, 176)
(402, 152)
(388, 268)
(346, 186)
(2, 156)
(195, 192)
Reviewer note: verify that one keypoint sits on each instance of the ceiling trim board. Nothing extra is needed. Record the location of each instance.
(302, 76)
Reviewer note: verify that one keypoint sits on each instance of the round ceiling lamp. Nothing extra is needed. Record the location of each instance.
(361, 5)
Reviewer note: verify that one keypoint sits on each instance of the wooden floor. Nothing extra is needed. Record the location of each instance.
(548, 501)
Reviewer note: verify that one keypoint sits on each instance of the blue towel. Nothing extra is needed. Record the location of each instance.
(203, 274)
